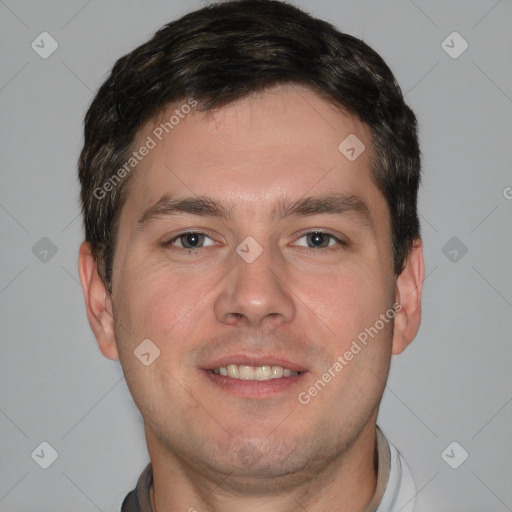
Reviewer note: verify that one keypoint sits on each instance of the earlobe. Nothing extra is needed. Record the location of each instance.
(409, 286)
(98, 303)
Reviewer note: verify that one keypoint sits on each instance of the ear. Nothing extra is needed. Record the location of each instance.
(97, 302)
(409, 285)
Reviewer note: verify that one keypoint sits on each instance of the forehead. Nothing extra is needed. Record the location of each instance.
(252, 153)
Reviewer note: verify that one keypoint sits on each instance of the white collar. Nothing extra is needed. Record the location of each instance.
(395, 490)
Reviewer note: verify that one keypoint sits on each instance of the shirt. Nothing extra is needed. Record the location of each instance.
(395, 489)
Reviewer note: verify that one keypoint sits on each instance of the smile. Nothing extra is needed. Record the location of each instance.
(264, 372)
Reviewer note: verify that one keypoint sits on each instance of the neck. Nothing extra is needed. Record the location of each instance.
(348, 481)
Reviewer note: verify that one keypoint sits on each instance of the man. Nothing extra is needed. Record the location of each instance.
(253, 259)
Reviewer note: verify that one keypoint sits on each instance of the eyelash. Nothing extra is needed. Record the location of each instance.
(341, 243)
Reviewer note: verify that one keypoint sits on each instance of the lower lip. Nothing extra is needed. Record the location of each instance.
(254, 388)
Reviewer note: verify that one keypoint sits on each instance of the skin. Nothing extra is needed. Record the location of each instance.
(210, 448)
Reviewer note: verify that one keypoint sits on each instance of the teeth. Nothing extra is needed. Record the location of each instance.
(232, 371)
(243, 372)
(277, 372)
(263, 373)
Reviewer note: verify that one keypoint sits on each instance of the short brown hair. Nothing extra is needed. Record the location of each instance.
(224, 52)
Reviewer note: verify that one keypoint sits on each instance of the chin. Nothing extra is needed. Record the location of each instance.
(262, 457)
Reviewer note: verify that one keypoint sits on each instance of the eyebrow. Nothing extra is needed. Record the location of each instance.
(333, 204)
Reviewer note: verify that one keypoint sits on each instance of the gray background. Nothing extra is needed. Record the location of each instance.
(452, 384)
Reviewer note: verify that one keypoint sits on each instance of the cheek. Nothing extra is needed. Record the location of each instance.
(153, 308)
(167, 307)
(344, 302)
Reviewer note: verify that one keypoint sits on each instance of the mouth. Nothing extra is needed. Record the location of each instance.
(263, 372)
(254, 379)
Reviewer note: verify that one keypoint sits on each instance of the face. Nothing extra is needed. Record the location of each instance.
(269, 248)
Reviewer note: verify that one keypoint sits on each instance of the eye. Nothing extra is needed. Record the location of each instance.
(190, 240)
(320, 240)
(317, 239)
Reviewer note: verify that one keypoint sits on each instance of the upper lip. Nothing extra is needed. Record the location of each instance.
(254, 360)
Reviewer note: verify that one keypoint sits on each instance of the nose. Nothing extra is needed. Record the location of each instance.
(255, 293)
